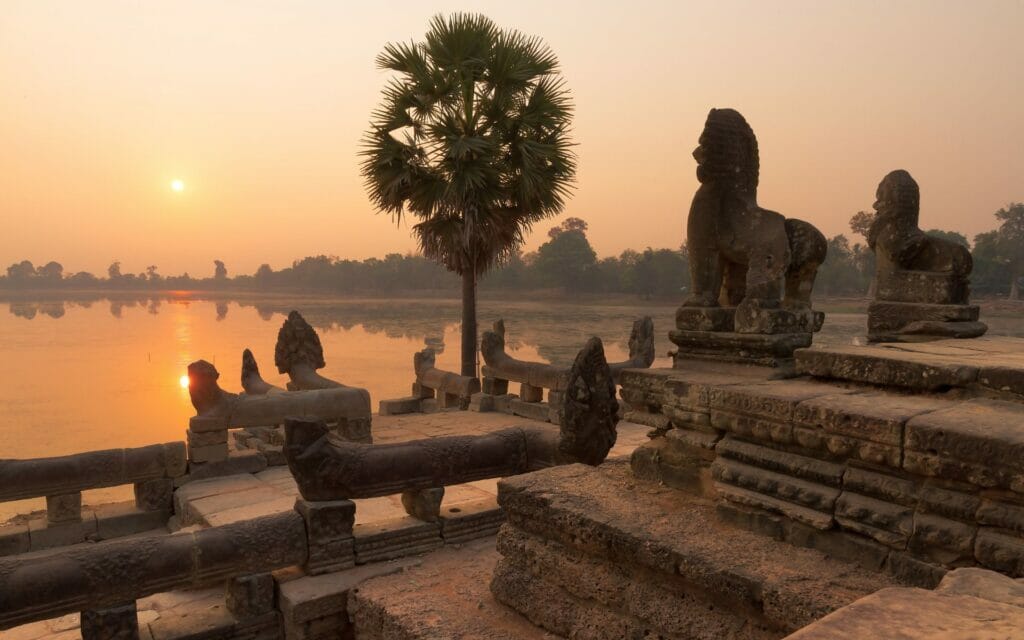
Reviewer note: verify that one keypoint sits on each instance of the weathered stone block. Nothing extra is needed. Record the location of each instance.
(799, 466)
(482, 402)
(768, 350)
(209, 453)
(495, 386)
(329, 527)
(423, 504)
(395, 538)
(920, 287)
(1005, 511)
(114, 623)
(530, 393)
(810, 517)
(250, 596)
(808, 494)
(205, 424)
(676, 463)
(205, 438)
(705, 318)
(64, 508)
(942, 540)
(914, 571)
(951, 499)
(237, 463)
(1000, 551)
(420, 391)
(429, 405)
(534, 410)
(888, 487)
(154, 495)
(884, 366)
(888, 523)
(978, 441)
(399, 406)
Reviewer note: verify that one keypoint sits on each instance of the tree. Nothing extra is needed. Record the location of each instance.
(567, 259)
(21, 272)
(569, 224)
(472, 138)
(1010, 243)
(864, 259)
(114, 271)
(220, 272)
(151, 274)
(51, 273)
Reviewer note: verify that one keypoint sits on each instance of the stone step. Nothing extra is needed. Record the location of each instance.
(606, 547)
(992, 365)
(445, 596)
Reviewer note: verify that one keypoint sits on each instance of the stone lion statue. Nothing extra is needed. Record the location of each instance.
(740, 253)
(900, 245)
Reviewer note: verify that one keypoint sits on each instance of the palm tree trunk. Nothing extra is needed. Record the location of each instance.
(469, 323)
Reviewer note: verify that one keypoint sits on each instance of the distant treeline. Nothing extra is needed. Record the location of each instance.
(566, 261)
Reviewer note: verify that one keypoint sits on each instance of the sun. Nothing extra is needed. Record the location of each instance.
(183, 381)
(177, 185)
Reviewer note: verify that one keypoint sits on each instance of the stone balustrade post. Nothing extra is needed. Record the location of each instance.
(154, 495)
(250, 596)
(495, 386)
(423, 504)
(329, 534)
(530, 393)
(207, 439)
(421, 391)
(64, 508)
(114, 623)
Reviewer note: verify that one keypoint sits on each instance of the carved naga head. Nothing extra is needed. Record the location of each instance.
(297, 343)
(727, 154)
(203, 389)
(897, 204)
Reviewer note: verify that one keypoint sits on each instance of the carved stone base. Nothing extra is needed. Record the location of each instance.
(917, 321)
(749, 317)
(774, 350)
(922, 287)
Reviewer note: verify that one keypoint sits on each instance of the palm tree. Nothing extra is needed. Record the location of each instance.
(472, 139)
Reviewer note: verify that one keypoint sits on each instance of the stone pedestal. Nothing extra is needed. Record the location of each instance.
(329, 527)
(890, 321)
(746, 334)
(115, 623)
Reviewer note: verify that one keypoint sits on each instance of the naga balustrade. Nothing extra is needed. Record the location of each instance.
(331, 472)
(61, 480)
(534, 377)
(433, 389)
(103, 580)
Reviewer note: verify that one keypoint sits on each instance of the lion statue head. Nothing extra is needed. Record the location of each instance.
(727, 154)
(897, 205)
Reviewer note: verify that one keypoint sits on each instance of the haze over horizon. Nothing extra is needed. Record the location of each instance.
(258, 109)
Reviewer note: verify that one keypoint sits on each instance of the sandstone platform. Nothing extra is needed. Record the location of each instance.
(969, 603)
(595, 553)
(993, 365)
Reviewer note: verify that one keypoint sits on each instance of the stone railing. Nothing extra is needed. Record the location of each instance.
(534, 377)
(346, 409)
(330, 472)
(103, 580)
(152, 470)
(434, 389)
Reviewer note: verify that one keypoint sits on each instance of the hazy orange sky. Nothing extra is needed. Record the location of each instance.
(259, 108)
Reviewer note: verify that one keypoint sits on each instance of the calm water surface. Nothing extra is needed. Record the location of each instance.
(101, 373)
